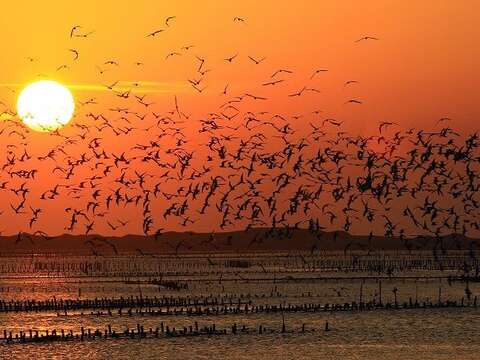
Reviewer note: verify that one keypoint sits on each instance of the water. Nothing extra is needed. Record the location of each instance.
(432, 333)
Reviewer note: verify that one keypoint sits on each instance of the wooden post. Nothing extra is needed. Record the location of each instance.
(380, 291)
(327, 328)
(361, 291)
(416, 291)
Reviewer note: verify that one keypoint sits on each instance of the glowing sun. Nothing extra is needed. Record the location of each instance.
(45, 105)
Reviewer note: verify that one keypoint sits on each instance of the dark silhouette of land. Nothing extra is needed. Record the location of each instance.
(258, 239)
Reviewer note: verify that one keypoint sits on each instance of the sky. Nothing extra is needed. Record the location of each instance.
(424, 65)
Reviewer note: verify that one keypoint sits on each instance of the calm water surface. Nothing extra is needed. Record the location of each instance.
(438, 333)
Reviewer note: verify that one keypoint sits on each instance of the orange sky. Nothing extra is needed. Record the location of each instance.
(424, 67)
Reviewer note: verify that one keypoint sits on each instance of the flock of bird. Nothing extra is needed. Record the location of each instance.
(137, 166)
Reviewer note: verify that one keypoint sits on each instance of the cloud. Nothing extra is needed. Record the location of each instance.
(144, 87)
(6, 116)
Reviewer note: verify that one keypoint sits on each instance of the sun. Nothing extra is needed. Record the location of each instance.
(45, 105)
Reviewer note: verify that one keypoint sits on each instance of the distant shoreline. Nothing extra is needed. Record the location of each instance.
(255, 241)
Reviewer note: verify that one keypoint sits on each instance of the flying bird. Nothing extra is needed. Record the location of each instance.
(349, 82)
(75, 28)
(366, 38)
(155, 33)
(318, 71)
(230, 59)
(353, 101)
(172, 54)
(275, 82)
(281, 71)
(168, 19)
(256, 61)
(75, 53)
(385, 124)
